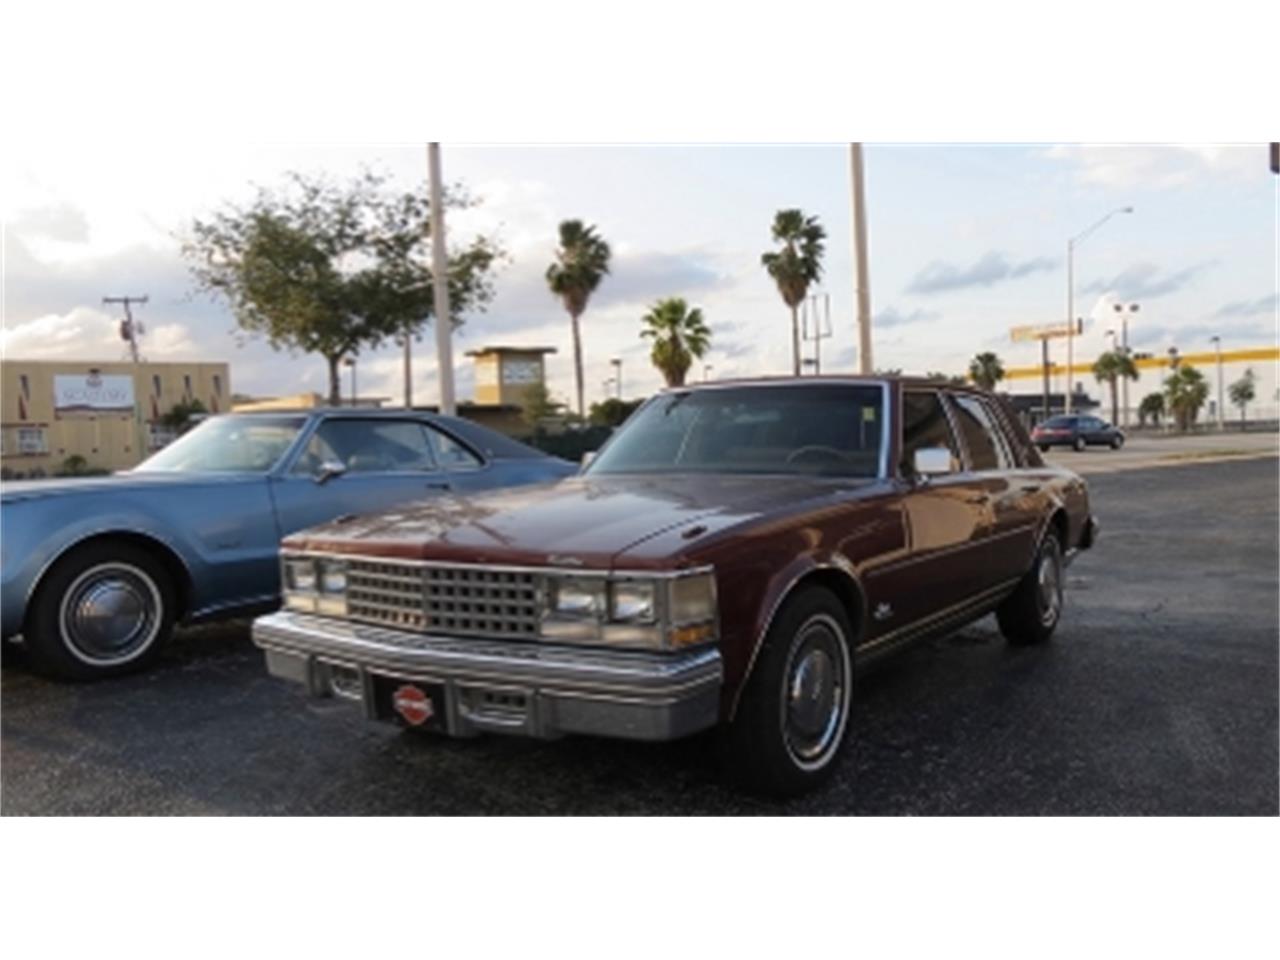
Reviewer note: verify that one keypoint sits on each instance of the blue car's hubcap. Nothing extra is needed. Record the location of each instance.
(110, 614)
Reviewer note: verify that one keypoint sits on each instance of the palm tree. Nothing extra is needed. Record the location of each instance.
(679, 338)
(582, 261)
(1185, 391)
(1108, 369)
(1152, 406)
(986, 370)
(1242, 392)
(795, 266)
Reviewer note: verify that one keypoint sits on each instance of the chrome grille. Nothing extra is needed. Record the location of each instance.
(462, 601)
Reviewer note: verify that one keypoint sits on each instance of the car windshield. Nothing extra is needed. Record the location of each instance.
(228, 444)
(832, 430)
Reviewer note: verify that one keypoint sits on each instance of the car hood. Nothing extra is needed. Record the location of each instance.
(581, 521)
(15, 490)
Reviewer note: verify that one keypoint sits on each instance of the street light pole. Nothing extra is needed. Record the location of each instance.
(617, 375)
(440, 284)
(1124, 313)
(1071, 294)
(1217, 346)
(861, 280)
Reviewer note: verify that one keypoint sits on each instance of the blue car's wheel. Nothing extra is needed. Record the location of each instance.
(104, 609)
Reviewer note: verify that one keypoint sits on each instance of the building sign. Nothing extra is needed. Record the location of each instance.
(92, 393)
(521, 371)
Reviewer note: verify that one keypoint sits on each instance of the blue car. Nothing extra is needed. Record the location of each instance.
(95, 573)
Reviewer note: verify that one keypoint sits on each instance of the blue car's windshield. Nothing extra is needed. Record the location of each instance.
(229, 444)
(832, 430)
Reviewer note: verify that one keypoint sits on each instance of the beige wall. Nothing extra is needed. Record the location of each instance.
(503, 376)
(107, 440)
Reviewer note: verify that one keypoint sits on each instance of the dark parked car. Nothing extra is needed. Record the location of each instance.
(1077, 432)
(96, 572)
(730, 556)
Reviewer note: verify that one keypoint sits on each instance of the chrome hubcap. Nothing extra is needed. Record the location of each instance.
(816, 695)
(110, 614)
(1050, 586)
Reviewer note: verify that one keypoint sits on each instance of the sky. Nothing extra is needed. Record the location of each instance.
(964, 243)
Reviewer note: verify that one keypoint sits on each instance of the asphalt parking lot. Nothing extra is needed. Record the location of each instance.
(1157, 696)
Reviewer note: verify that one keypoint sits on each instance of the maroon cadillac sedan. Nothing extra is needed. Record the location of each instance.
(730, 558)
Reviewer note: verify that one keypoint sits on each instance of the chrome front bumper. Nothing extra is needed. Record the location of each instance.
(527, 688)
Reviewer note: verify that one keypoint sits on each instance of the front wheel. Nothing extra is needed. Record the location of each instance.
(1030, 614)
(1078, 444)
(1117, 442)
(794, 714)
(106, 608)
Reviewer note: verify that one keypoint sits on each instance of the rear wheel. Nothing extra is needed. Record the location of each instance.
(1044, 448)
(106, 608)
(793, 718)
(1030, 614)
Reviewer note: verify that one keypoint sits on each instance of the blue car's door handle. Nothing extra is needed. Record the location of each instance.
(438, 485)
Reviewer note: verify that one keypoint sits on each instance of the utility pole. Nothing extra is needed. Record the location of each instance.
(408, 370)
(1071, 294)
(861, 280)
(617, 375)
(440, 283)
(130, 332)
(821, 331)
(1124, 347)
(1217, 346)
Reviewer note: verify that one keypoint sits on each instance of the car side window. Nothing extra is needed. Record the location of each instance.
(925, 424)
(986, 451)
(368, 446)
(452, 454)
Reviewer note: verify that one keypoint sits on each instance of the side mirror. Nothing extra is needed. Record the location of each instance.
(328, 470)
(931, 461)
(587, 458)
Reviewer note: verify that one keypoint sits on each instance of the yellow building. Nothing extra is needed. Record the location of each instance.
(503, 374)
(107, 413)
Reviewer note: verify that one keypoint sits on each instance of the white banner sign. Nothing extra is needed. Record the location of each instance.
(92, 392)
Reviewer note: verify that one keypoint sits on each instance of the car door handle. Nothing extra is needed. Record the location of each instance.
(439, 485)
(1030, 488)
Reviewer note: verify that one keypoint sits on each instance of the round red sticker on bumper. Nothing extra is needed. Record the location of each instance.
(412, 704)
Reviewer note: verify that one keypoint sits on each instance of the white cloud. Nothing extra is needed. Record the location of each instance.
(1158, 166)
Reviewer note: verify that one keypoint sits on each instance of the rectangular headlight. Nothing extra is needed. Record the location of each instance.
(580, 599)
(300, 574)
(633, 601)
(333, 576)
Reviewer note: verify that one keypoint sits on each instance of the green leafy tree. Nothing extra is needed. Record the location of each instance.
(1152, 406)
(1243, 392)
(582, 261)
(679, 337)
(612, 412)
(331, 269)
(1109, 369)
(1185, 391)
(181, 414)
(943, 377)
(986, 370)
(74, 466)
(539, 406)
(797, 265)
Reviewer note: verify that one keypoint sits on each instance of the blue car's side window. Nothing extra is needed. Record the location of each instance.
(368, 446)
